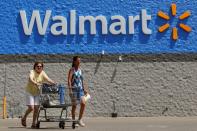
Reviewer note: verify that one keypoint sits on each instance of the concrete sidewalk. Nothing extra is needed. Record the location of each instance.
(114, 124)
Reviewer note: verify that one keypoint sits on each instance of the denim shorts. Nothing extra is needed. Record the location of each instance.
(78, 93)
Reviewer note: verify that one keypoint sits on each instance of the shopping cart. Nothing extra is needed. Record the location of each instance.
(55, 96)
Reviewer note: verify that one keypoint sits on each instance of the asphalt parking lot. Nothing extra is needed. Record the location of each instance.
(113, 124)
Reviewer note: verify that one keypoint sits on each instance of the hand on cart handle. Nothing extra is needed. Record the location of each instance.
(50, 84)
(54, 84)
(38, 84)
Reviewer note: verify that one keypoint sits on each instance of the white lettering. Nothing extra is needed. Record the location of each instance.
(121, 24)
(62, 24)
(35, 17)
(145, 18)
(73, 22)
(132, 21)
(92, 21)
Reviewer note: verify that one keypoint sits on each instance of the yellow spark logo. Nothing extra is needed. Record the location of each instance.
(164, 27)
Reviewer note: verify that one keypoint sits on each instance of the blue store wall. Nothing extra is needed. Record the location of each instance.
(14, 41)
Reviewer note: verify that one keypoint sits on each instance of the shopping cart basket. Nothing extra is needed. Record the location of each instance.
(55, 96)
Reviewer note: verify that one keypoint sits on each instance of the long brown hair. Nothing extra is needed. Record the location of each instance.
(74, 59)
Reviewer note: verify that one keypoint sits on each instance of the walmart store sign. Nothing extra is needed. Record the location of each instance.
(61, 23)
(83, 27)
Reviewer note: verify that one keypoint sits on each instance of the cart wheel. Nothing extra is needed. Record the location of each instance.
(38, 125)
(73, 125)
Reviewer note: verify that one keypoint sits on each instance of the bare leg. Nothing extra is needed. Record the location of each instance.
(73, 111)
(35, 114)
(74, 106)
(28, 111)
(82, 108)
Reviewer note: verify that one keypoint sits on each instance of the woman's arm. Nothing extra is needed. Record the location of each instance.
(85, 88)
(47, 78)
(31, 78)
(70, 82)
(70, 79)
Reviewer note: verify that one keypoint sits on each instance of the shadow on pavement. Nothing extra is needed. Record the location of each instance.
(18, 127)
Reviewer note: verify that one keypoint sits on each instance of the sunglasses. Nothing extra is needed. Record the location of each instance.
(39, 66)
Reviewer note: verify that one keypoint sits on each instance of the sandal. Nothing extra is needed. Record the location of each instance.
(33, 127)
(23, 122)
